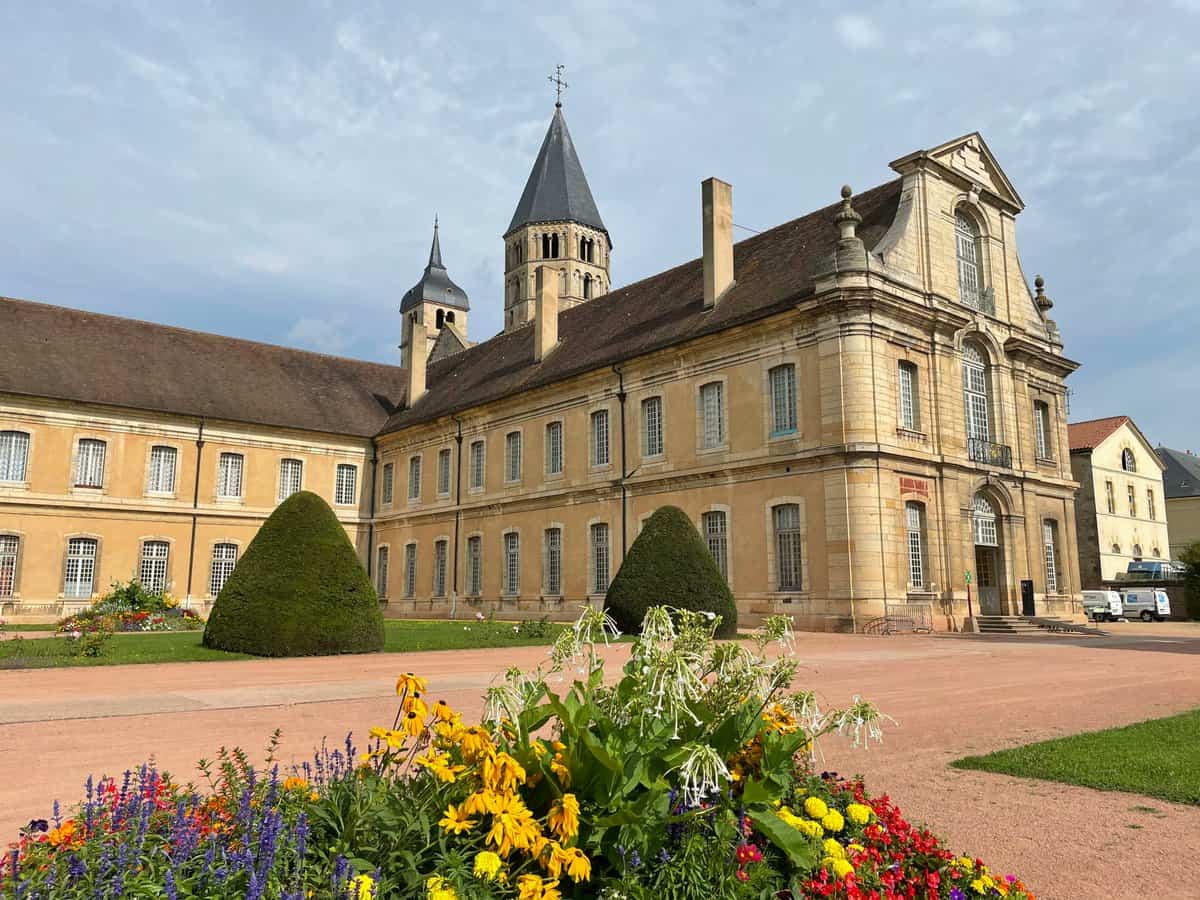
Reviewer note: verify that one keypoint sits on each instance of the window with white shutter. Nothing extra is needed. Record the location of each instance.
(783, 399)
(14, 456)
(652, 427)
(788, 556)
(712, 415)
(160, 478)
(346, 484)
(89, 465)
(291, 476)
(600, 448)
(152, 571)
(229, 475)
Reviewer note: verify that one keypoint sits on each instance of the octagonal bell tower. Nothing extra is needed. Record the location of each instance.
(557, 223)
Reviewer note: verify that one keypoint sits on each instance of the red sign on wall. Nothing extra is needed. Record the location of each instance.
(917, 486)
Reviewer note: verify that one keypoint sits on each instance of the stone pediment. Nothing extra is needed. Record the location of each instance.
(969, 157)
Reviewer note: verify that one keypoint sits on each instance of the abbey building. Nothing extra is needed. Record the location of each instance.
(862, 410)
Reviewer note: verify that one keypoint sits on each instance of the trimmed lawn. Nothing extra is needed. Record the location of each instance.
(15, 628)
(184, 646)
(1158, 758)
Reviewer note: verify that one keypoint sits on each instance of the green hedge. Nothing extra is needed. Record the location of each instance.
(669, 565)
(298, 590)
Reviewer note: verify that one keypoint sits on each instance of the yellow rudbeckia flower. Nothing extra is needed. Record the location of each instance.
(564, 817)
(456, 820)
(411, 684)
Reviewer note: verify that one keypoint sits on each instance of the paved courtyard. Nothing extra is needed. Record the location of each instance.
(951, 696)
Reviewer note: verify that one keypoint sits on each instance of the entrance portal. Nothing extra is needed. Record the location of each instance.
(987, 555)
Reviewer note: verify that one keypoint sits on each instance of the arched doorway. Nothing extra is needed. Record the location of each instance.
(985, 528)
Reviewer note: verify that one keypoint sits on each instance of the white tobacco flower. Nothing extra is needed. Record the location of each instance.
(862, 718)
(702, 774)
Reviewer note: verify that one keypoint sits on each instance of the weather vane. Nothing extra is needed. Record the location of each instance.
(559, 84)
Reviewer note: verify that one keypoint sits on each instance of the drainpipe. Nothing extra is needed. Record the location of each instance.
(371, 508)
(624, 493)
(195, 507)
(458, 439)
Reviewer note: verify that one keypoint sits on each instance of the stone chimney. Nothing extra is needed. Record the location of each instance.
(418, 357)
(545, 313)
(716, 204)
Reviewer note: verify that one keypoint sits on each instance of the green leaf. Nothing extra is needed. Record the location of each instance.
(755, 793)
(801, 853)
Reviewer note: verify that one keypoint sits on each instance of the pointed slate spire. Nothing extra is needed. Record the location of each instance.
(557, 189)
(435, 285)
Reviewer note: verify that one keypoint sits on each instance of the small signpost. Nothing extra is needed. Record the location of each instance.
(970, 608)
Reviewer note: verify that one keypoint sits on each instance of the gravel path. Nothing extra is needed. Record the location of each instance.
(951, 695)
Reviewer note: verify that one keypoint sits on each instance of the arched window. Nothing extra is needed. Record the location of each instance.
(1116, 548)
(583, 248)
(970, 273)
(9, 544)
(976, 396)
(441, 319)
(587, 287)
(1137, 551)
(450, 316)
(554, 246)
(983, 522)
(545, 246)
(1157, 553)
(1128, 463)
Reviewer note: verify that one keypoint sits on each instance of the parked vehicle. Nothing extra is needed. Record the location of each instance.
(1146, 604)
(1103, 606)
(1154, 570)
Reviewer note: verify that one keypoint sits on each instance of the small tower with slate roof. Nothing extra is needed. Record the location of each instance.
(556, 222)
(435, 301)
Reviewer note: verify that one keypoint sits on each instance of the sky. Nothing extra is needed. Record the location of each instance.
(271, 170)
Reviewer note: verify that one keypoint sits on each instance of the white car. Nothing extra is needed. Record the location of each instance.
(1146, 604)
(1103, 606)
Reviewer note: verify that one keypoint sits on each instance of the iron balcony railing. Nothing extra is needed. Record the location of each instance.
(989, 453)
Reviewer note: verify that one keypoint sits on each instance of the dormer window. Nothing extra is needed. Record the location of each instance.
(1128, 463)
(970, 270)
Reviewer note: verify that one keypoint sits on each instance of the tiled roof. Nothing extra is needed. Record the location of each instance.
(1181, 477)
(1090, 434)
(773, 270)
(70, 354)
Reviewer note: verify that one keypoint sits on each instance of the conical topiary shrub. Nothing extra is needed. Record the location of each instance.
(298, 590)
(669, 565)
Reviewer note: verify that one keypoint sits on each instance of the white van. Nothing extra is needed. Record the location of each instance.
(1102, 606)
(1146, 604)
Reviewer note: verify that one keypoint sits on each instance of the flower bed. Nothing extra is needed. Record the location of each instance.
(688, 778)
(131, 608)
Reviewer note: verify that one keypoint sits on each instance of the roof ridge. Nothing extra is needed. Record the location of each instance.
(185, 330)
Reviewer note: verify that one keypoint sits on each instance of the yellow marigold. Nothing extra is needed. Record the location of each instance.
(858, 813)
(456, 820)
(811, 829)
(833, 849)
(295, 783)
(411, 684)
(855, 848)
(815, 807)
(487, 865)
(63, 834)
(361, 887)
(839, 867)
(833, 821)
(564, 817)
(578, 866)
(438, 888)
(786, 814)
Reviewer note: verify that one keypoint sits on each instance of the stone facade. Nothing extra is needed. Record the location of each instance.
(820, 446)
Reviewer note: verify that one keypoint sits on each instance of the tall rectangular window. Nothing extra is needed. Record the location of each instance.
(414, 478)
(389, 478)
(9, 544)
(783, 399)
(600, 557)
(909, 412)
(716, 535)
(1109, 498)
(600, 454)
(914, 515)
(89, 467)
(80, 575)
(1041, 429)
(291, 477)
(152, 572)
(652, 427)
(346, 485)
(160, 477)
(14, 455)
(439, 569)
(712, 414)
(788, 556)
(1132, 500)
(443, 472)
(224, 559)
(477, 469)
(229, 475)
(381, 571)
(410, 570)
(512, 456)
(1151, 511)
(474, 565)
(512, 563)
(552, 562)
(554, 448)
(1050, 549)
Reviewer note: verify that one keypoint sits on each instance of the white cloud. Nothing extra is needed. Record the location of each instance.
(857, 31)
(321, 335)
